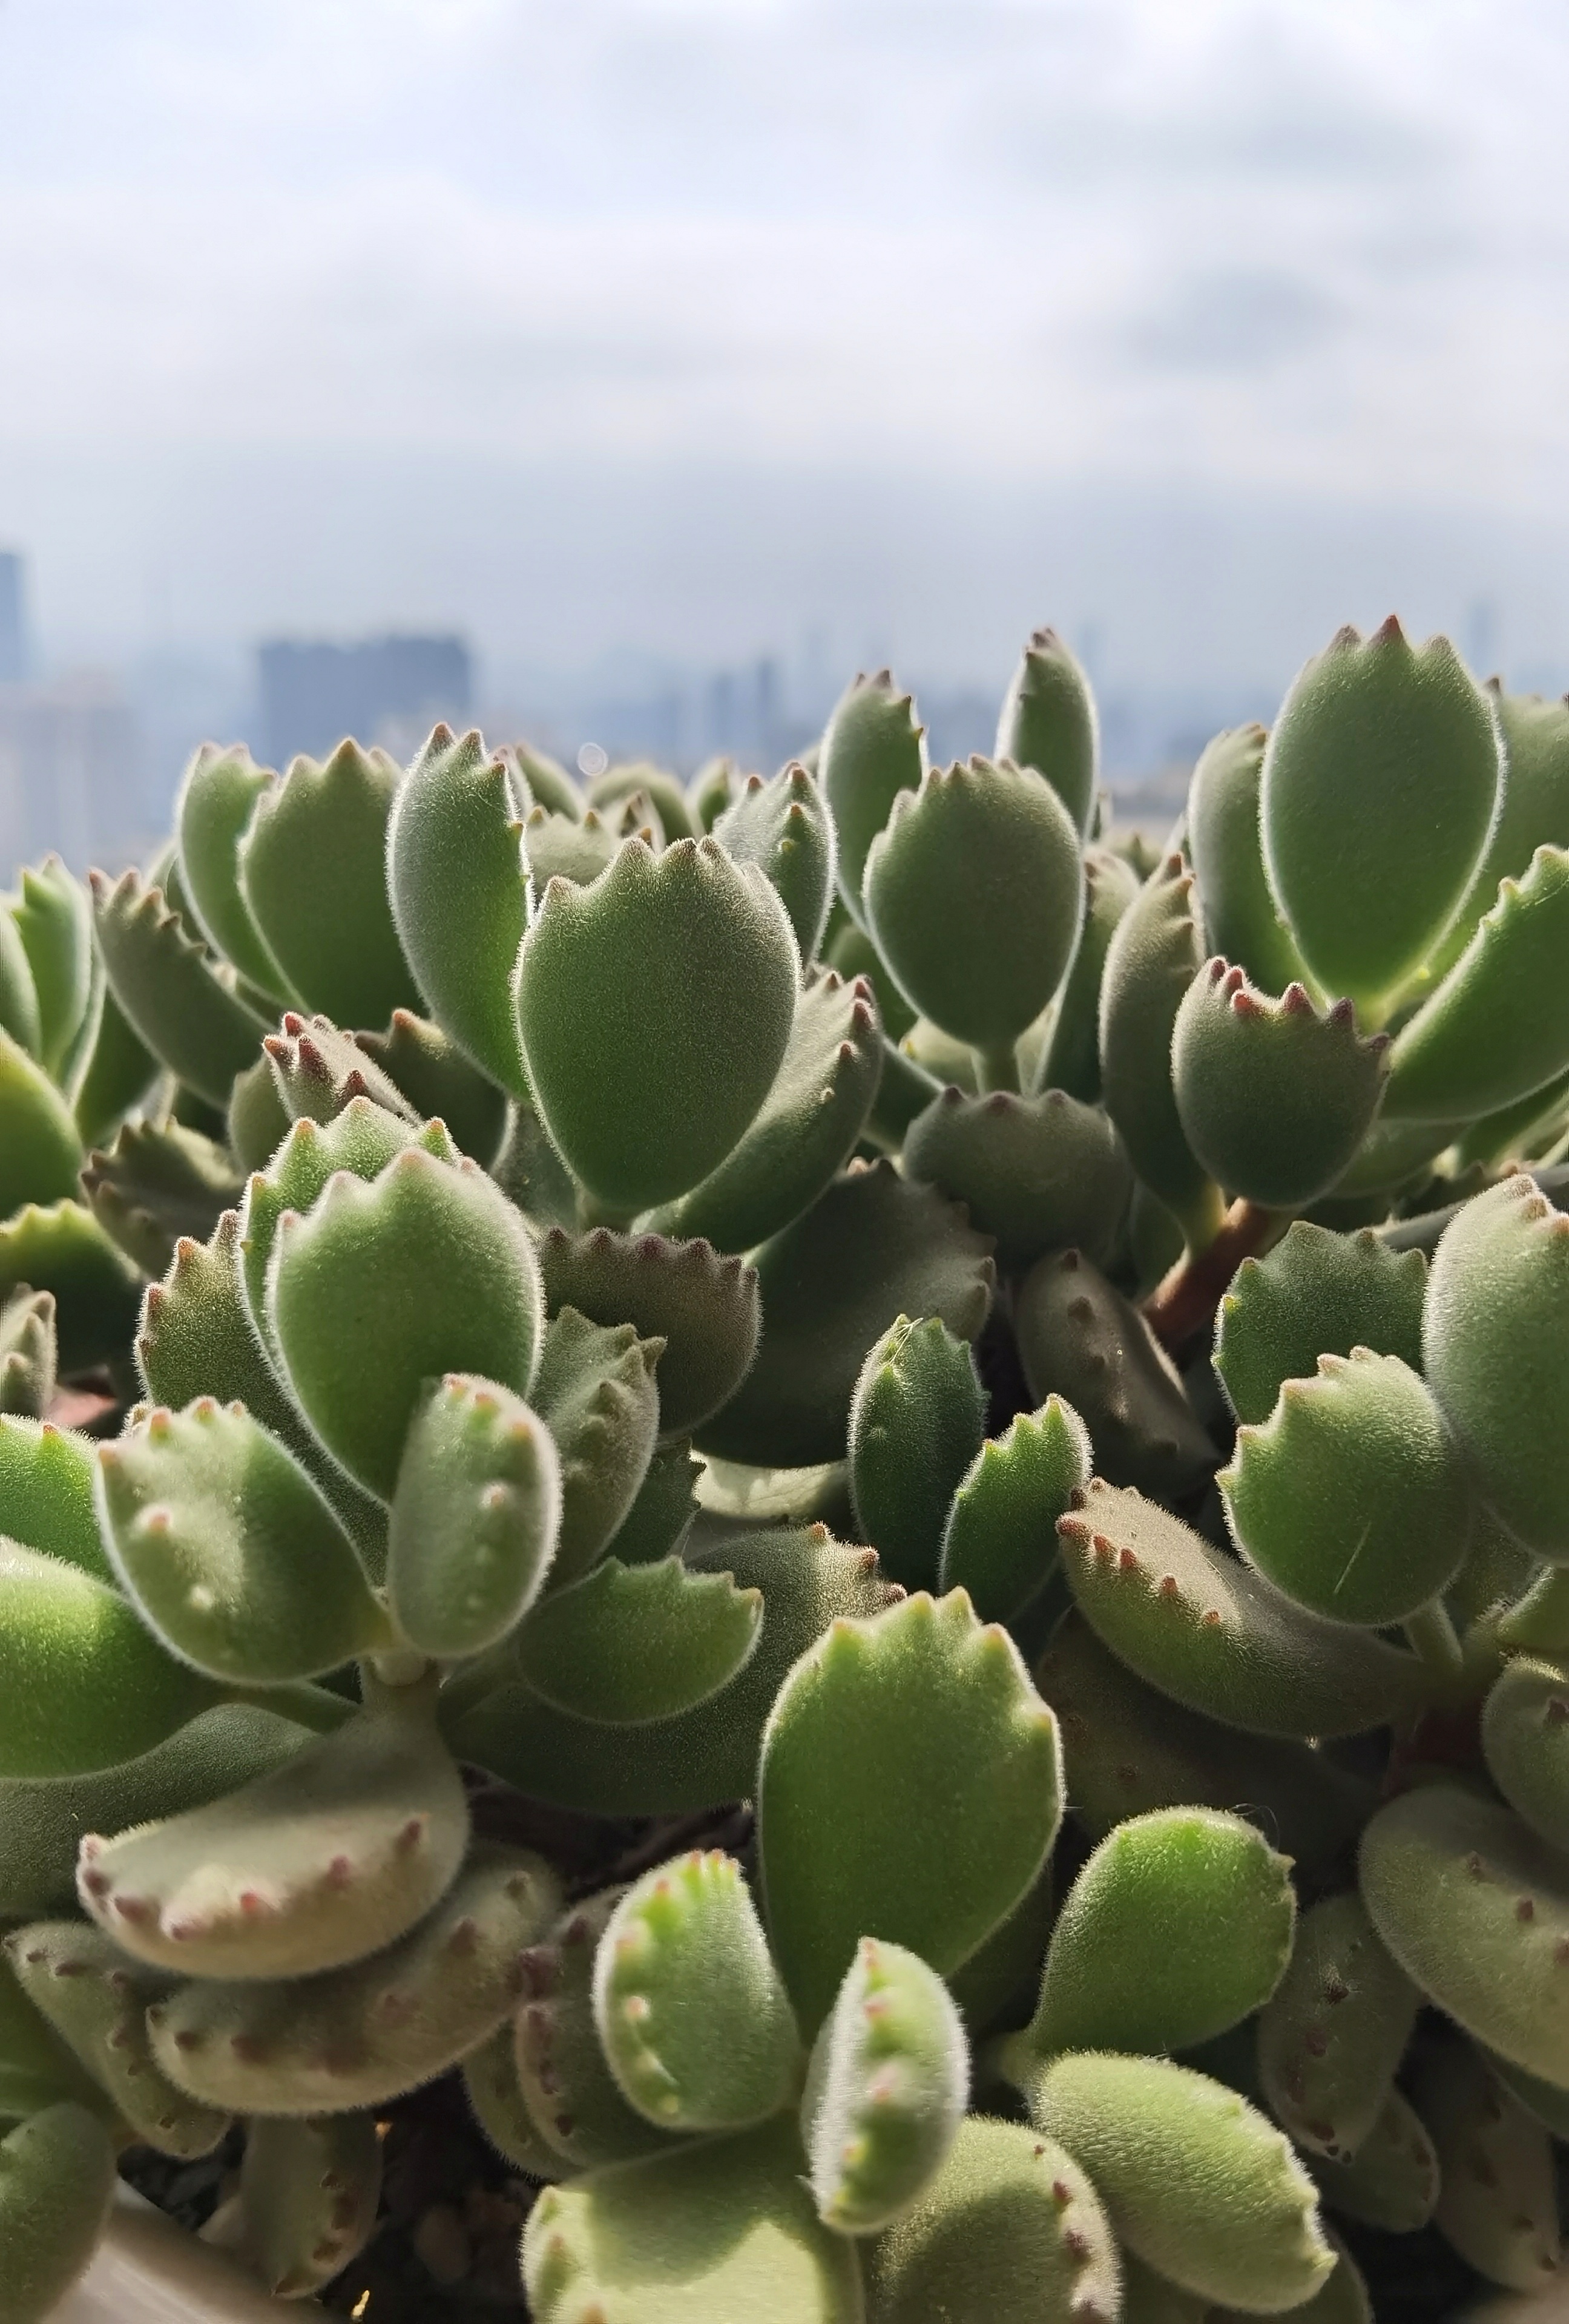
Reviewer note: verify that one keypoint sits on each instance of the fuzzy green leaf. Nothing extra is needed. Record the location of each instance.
(1332, 2034)
(54, 920)
(918, 1420)
(886, 2090)
(1497, 2202)
(705, 2233)
(1070, 1056)
(909, 1788)
(57, 2180)
(459, 896)
(1194, 2180)
(1240, 915)
(1497, 1027)
(871, 751)
(1525, 1740)
(704, 1308)
(1080, 1339)
(431, 1072)
(228, 1550)
(693, 2019)
(313, 868)
(805, 1130)
(1352, 1497)
(633, 1643)
(1038, 1173)
(158, 1181)
(42, 1153)
(597, 1394)
(1496, 1344)
(217, 796)
(1273, 1098)
(1474, 1906)
(1177, 1928)
(430, 1267)
(1315, 1294)
(1011, 2230)
(1153, 956)
(973, 893)
(1203, 1628)
(308, 2197)
(569, 2095)
(1000, 1539)
(85, 1683)
(663, 995)
(173, 997)
(785, 829)
(474, 1517)
(328, 1856)
(360, 2036)
(1048, 722)
(1375, 741)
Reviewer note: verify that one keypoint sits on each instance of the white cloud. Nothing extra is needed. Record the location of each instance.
(1309, 246)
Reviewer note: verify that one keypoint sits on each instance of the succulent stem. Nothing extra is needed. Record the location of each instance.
(998, 1067)
(1430, 1634)
(1186, 1299)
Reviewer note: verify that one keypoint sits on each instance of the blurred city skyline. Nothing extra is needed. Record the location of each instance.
(652, 344)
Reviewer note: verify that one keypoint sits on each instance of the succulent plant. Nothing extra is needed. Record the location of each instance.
(856, 1499)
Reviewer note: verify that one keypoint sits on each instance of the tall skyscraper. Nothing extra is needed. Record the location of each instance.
(383, 690)
(12, 630)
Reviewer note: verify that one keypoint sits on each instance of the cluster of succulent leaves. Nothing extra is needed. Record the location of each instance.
(1042, 1371)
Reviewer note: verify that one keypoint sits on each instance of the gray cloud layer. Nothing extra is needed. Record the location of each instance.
(313, 253)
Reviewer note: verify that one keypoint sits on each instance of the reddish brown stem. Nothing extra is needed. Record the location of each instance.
(1185, 1301)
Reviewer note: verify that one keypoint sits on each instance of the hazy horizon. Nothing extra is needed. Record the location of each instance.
(693, 329)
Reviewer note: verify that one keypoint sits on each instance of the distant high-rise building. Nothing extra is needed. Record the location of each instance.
(12, 629)
(383, 690)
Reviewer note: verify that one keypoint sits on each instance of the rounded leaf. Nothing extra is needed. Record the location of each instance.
(1315, 1294)
(1496, 1346)
(229, 1551)
(917, 1422)
(1350, 1497)
(1011, 2230)
(84, 1681)
(1274, 1098)
(312, 864)
(704, 2232)
(886, 2092)
(1525, 1740)
(1177, 1928)
(42, 1153)
(1498, 2198)
(1048, 722)
(909, 1788)
(974, 894)
(458, 893)
(633, 1642)
(871, 751)
(313, 1863)
(696, 2026)
(1194, 2180)
(1474, 1906)
(1000, 1539)
(217, 796)
(1037, 1172)
(704, 1308)
(474, 1517)
(57, 2181)
(1201, 1625)
(1377, 743)
(1153, 956)
(1332, 2035)
(661, 996)
(1240, 915)
(785, 829)
(429, 1266)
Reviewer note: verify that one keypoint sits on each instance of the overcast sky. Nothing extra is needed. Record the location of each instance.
(659, 323)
